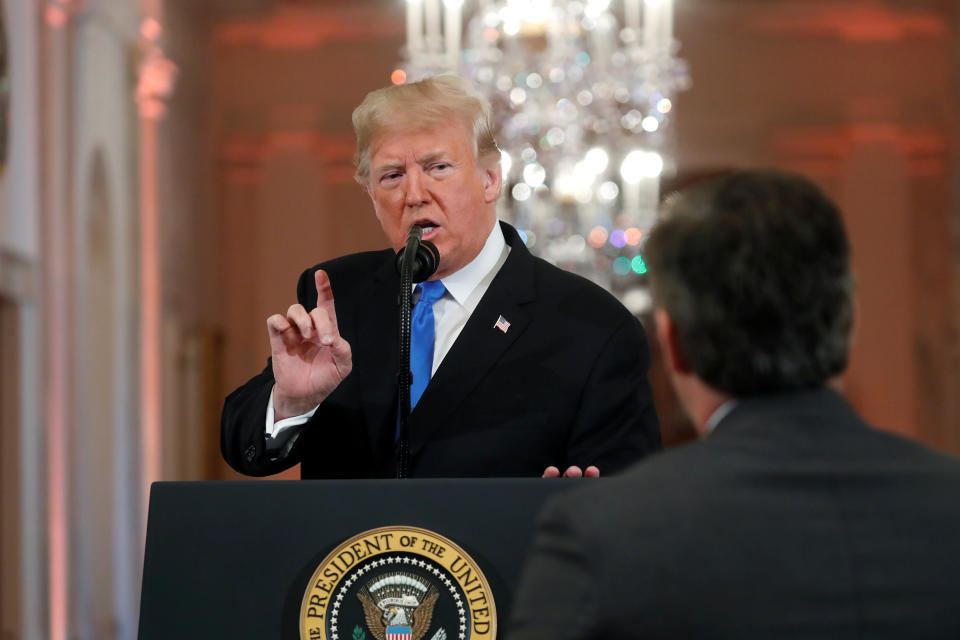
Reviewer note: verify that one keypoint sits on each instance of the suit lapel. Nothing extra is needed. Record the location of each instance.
(377, 349)
(480, 344)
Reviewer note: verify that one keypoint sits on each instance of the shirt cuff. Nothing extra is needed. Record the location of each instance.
(274, 428)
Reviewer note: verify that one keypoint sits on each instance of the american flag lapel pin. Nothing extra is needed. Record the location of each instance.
(502, 324)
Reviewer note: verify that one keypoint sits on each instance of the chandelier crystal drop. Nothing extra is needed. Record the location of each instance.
(583, 94)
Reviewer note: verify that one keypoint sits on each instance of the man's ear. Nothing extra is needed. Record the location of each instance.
(492, 182)
(669, 338)
(855, 324)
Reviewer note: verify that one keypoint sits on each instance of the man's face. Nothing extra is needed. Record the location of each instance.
(431, 178)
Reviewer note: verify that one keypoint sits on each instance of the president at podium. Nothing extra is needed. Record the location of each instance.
(519, 368)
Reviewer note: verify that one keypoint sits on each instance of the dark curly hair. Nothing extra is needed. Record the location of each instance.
(754, 270)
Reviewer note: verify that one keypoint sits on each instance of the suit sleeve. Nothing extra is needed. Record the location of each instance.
(616, 424)
(242, 434)
(558, 593)
(243, 440)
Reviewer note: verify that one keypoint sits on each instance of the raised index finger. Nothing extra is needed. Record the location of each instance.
(325, 296)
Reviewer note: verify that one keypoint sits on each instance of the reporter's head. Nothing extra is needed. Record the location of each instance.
(753, 271)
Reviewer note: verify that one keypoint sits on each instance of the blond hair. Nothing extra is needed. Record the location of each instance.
(420, 105)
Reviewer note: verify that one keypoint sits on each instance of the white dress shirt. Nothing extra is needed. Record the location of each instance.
(464, 289)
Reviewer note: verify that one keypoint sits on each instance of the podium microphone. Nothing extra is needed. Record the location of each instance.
(416, 262)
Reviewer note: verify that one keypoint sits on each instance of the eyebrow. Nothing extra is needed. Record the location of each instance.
(432, 156)
(427, 158)
(388, 167)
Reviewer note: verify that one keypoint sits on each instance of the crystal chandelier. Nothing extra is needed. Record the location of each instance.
(582, 93)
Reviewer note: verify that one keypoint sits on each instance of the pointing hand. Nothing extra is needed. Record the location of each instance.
(310, 358)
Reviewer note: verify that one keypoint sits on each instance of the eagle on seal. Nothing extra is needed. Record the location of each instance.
(398, 600)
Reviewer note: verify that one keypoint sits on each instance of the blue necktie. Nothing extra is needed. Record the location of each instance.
(422, 336)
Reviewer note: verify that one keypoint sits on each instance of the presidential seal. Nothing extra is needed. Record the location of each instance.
(398, 583)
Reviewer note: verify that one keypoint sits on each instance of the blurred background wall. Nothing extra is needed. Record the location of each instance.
(169, 168)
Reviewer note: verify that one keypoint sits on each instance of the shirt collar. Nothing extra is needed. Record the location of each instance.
(722, 412)
(462, 283)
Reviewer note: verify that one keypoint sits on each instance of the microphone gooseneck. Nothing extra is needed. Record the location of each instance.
(425, 260)
(416, 262)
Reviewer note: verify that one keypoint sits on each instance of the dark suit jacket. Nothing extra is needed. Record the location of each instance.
(565, 384)
(794, 519)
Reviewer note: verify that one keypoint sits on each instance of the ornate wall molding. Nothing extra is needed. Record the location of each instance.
(157, 74)
(858, 24)
(58, 13)
(821, 150)
(240, 156)
(305, 29)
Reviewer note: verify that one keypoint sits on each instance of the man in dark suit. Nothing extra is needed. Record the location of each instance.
(792, 517)
(533, 370)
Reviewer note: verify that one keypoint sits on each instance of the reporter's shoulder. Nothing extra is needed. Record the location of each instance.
(908, 451)
(658, 480)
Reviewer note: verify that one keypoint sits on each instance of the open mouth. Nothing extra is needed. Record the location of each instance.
(430, 229)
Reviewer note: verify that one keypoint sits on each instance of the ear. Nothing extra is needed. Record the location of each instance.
(669, 339)
(492, 182)
(855, 325)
